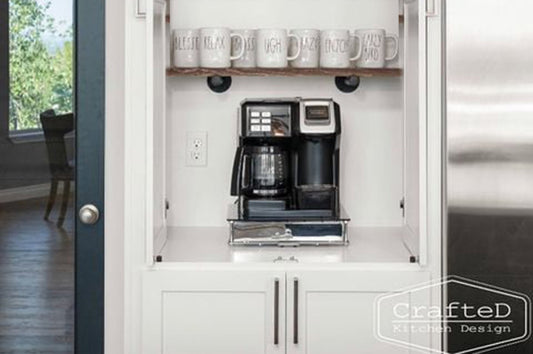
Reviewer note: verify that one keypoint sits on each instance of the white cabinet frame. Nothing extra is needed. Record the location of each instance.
(141, 240)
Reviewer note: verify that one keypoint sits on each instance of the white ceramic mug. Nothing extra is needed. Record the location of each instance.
(215, 47)
(273, 48)
(374, 46)
(186, 45)
(248, 58)
(309, 45)
(335, 49)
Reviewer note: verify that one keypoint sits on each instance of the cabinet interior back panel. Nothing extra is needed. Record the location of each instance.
(349, 14)
(371, 145)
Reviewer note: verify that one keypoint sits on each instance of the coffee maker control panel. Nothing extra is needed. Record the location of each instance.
(267, 120)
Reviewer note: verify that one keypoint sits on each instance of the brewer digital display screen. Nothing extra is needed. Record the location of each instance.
(317, 113)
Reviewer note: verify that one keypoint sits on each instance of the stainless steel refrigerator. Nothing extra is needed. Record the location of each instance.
(488, 89)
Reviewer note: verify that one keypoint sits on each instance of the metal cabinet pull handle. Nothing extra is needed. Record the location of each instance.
(276, 311)
(295, 313)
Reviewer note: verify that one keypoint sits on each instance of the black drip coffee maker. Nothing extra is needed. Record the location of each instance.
(286, 174)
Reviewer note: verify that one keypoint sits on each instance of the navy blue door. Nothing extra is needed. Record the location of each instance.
(47, 254)
(90, 113)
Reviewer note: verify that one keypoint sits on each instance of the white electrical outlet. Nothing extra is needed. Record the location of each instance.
(196, 149)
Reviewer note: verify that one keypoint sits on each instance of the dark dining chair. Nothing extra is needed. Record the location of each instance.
(61, 169)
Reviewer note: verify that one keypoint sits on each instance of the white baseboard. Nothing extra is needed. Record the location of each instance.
(28, 192)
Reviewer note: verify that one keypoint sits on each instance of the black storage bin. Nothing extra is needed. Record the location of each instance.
(316, 196)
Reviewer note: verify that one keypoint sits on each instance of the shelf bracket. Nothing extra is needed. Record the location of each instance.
(219, 84)
(347, 84)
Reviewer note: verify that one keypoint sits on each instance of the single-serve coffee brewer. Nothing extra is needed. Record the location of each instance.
(286, 174)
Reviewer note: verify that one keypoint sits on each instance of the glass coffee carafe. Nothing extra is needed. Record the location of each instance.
(265, 171)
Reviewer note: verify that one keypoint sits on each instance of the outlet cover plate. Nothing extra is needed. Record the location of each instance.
(196, 149)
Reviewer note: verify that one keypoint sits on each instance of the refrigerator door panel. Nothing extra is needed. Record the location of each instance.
(489, 147)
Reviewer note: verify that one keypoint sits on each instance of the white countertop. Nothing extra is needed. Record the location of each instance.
(210, 244)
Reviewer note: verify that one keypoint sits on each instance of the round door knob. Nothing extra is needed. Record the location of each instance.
(89, 214)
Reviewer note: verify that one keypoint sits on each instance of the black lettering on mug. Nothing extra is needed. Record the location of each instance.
(214, 43)
(372, 43)
(249, 44)
(370, 54)
(336, 45)
(186, 43)
(309, 43)
(272, 45)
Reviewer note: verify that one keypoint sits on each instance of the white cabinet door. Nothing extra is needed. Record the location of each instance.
(422, 110)
(213, 312)
(155, 128)
(333, 312)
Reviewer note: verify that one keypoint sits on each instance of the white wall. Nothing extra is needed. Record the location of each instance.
(343, 14)
(349, 14)
(371, 145)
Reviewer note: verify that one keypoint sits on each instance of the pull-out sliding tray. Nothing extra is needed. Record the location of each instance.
(288, 229)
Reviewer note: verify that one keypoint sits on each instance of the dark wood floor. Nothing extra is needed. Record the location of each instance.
(36, 279)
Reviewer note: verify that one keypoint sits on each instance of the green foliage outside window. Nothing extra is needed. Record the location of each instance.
(40, 77)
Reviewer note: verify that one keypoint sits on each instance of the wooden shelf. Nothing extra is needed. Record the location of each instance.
(386, 72)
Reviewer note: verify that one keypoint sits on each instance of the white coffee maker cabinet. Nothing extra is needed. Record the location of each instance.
(188, 291)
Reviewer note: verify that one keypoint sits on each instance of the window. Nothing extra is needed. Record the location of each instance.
(40, 61)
